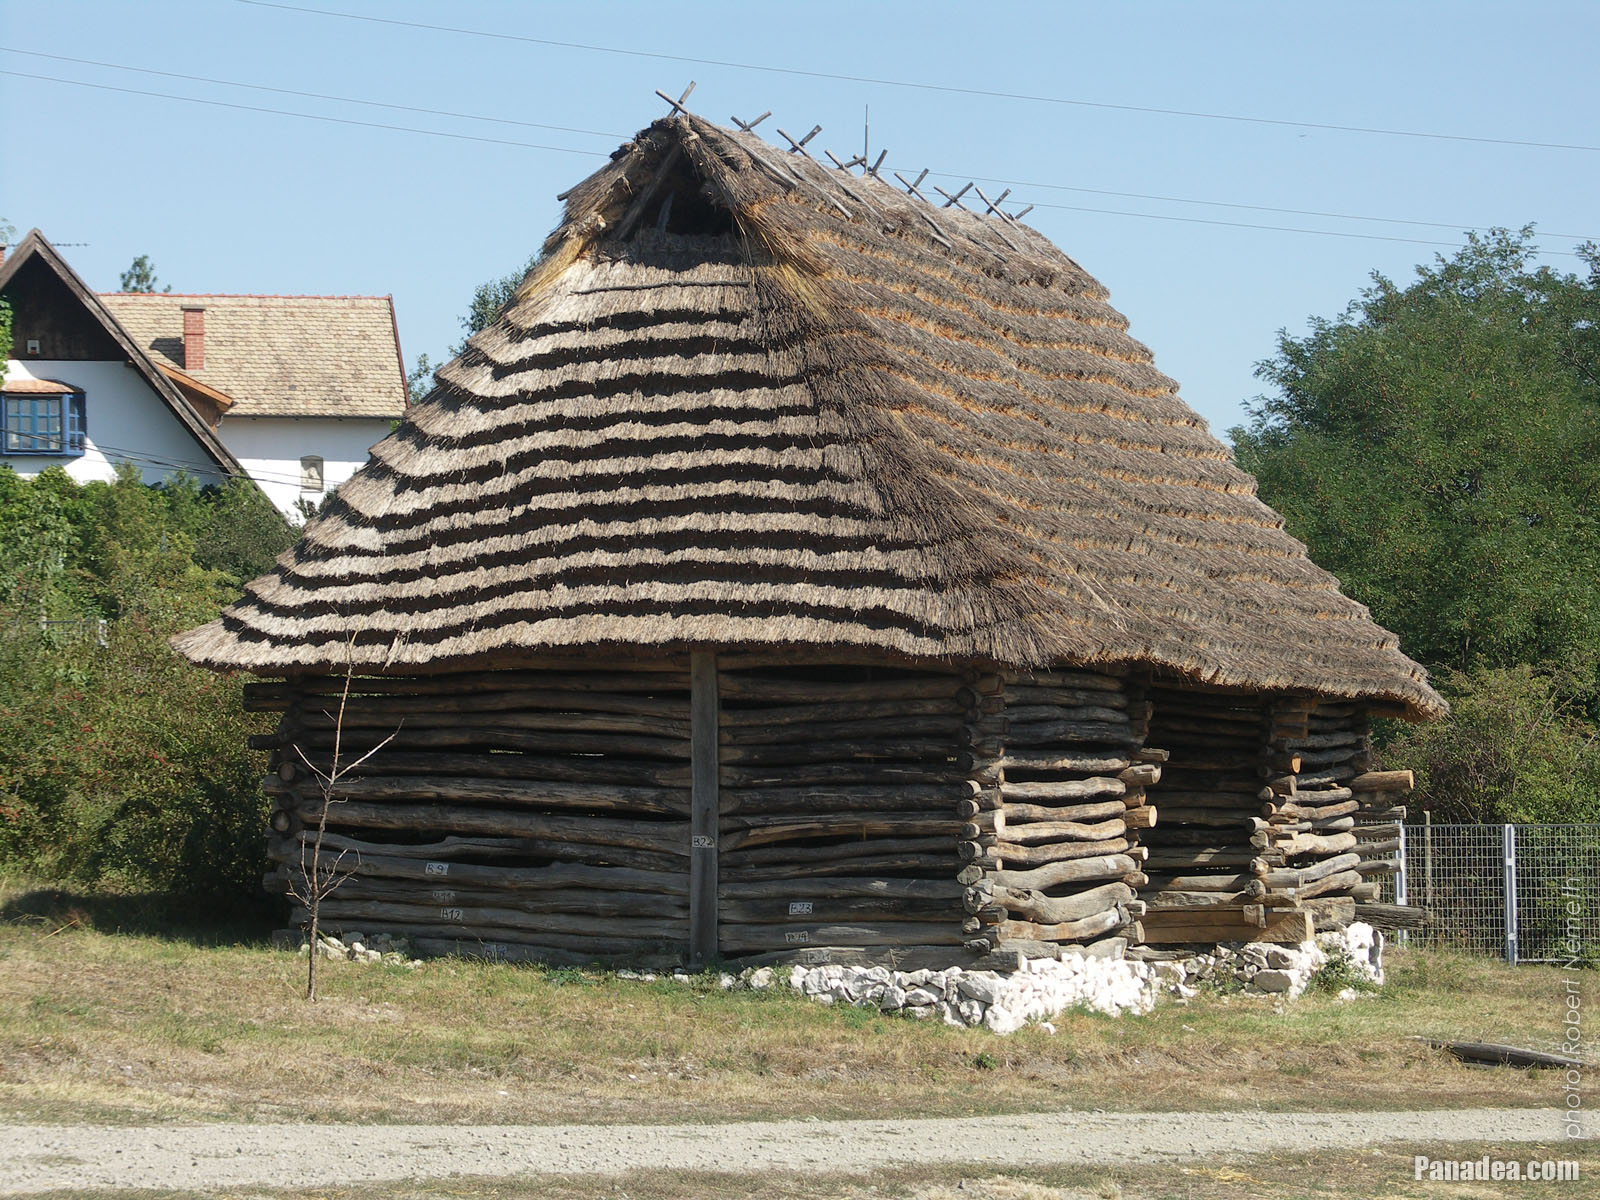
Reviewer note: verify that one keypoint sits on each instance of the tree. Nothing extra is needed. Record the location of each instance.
(1438, 449)
(489, 298)
(141, 276)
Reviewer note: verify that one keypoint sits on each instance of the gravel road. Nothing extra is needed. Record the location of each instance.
(38, 1158)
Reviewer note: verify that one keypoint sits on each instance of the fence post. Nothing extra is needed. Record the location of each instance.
(1510, 846)
(1400, 894)
(1427, 859)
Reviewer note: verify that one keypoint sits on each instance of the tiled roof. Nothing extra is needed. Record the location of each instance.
(302, 356)
(37, 387)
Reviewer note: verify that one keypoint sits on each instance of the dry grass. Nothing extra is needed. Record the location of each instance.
(1326, 1175)
(136, 1027)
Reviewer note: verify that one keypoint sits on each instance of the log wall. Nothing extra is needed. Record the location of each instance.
(1052, 846)
(536, 813)
(554, 811)
(1268, 803)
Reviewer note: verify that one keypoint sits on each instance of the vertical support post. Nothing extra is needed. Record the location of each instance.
(703, 821)
(1510, 846)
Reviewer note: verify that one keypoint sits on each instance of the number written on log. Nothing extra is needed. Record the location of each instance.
(450, 914)
(815, 957)
(796, 936)
(436, 869)
(701, 841)
(442, 895)
(799, 908)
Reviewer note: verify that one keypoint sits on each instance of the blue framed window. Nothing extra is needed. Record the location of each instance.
(42, 423)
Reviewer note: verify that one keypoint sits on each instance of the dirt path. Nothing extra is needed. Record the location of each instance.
(38, 1158)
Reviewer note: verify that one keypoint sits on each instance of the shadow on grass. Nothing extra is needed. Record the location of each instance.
(197, 920)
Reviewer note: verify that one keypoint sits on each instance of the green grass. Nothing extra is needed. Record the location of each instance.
(108, 1018)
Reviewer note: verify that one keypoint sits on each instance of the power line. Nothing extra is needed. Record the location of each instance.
(920, 86)
(1297, 212)
(1292, 212)
(261, 87)
(283, 112)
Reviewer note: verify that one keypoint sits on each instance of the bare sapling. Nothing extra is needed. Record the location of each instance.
(318, 878)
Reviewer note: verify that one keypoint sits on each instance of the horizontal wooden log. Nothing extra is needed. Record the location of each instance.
(927, 866)
(360, 710)
(587, 901)
(466, 789)
(1342, 881)
(842, 774)
(1185, 858)
(836, 909)
(1055, 875)
(1038, 733)
(922, 751)
(1393, 916)
(647, 678)
(1070, 679)
(637, 747)
(639, 955)
(1062, 789)
(1022, 814)
(742, 938)
(937, 728)
(1057, 760)
(872, 711)
(1170, 927)
(1312, 843)
(1034, 832)
(1014, 854)
(495, 941)
(505, 722)
(550, 876)
(1289, 877)
(1384, 781)
(1022, 695)
(1023, 714)
(1032, 905)
(1222, 879)
(449, 849)
(835, 851)
(670, 837)
(943, 891)
(930, 799)
(1065, 931)
(552, 767)
(1169, 898)
(759, 830)
(781, 689)
(340, 913)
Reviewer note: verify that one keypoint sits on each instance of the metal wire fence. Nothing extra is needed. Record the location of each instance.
(1528, 892)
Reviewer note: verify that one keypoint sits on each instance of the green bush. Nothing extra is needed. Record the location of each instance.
(1517, 747)
(120, 764)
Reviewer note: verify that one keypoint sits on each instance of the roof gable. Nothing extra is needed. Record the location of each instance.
(32, 262)
(748, 400)
(294, 356)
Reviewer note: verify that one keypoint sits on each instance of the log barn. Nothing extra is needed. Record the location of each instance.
(797, 567)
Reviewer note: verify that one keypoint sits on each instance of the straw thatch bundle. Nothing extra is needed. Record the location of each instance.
(745, 400)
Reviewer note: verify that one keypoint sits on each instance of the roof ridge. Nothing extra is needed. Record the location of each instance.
(254, 295)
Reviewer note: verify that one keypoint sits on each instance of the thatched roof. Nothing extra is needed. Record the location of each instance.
(803, 408)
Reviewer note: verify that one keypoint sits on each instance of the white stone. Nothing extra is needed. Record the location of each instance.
(1273, 981)
(1002, 1020)
(894, 997)
(983, 986)
(918, 996)
(761, 979)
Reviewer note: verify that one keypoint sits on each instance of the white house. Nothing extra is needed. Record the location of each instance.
(307, 384)
(78, 393)
(290, 390)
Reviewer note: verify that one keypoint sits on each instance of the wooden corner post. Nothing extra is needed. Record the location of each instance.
(703, 822)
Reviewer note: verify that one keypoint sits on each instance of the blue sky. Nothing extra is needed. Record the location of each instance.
(227, 199)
